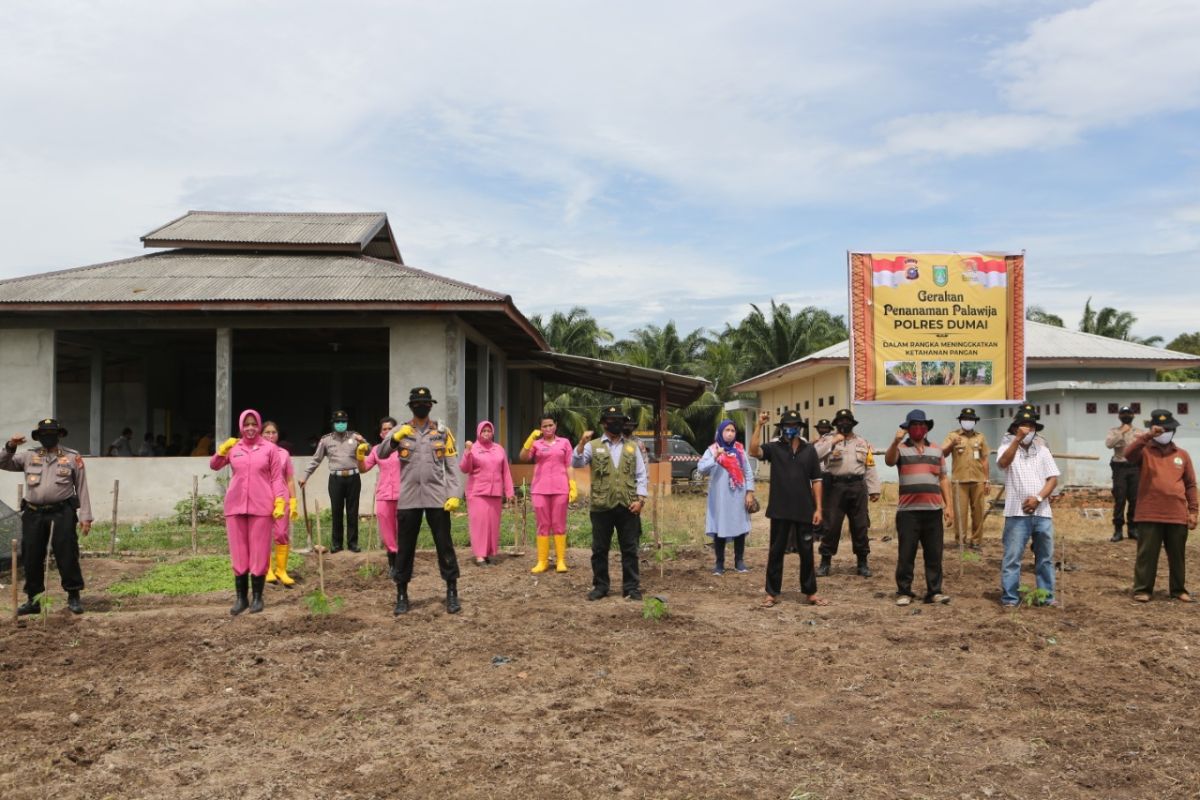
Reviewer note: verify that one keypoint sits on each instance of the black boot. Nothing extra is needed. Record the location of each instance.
(401, 600)
(391, 565)
(1116, 537)
(74, 603)
(256, 585)
(1133, 534)
(863, 569)
(30, 606)
(242, 584)
(452, 604)
(823, 567)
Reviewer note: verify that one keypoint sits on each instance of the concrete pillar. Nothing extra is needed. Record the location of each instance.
(422, 351)
(223, 422)
(96, 405)
(26, 379)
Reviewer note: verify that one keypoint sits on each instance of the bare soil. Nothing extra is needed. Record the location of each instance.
(533, 692)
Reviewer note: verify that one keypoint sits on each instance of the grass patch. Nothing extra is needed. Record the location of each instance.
(191, 576)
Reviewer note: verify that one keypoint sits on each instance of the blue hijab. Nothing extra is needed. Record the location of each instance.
(728, 447)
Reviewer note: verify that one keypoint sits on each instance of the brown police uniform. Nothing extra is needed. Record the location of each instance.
(969, 473)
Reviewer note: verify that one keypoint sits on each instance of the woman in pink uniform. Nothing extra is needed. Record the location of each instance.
(387, 488)
(552, 489)
(489, 483)
(255, 497)
(282, 529)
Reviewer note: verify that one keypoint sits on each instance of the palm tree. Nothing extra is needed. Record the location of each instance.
(1039, 314)
(575, 333)
(1183, 343)
(1113, 324)
(662, 348)
(768, 343)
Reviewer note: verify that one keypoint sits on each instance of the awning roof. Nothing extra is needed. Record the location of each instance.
(621, 380)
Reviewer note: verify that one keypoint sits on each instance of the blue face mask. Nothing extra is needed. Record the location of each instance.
(790, 433)
(340, 427)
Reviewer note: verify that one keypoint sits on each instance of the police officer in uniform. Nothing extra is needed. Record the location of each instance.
(55, 489)
(850, 479)
(1124, 475)
(824, 430)
(344, 483)
(429, 488)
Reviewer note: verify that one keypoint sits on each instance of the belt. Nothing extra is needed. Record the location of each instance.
(343, 473)
(51, 508)
(1121, 464)
(843, 478)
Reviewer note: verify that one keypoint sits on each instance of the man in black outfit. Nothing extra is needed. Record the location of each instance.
(794, 504)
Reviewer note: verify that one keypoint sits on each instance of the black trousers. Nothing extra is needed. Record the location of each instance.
(408, 527)
(343, 499)
(628, 527)
(922, 528)
(739, 549)
(846, 500)
(781, 531)
(1124, 488)
(35, 537)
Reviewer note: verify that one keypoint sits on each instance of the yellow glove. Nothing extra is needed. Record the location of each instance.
(573, 494)
(226, 446)
(401, 432)
(277, 512)
(451, 504)
(361, 451)
(293, 514)
(532, 438)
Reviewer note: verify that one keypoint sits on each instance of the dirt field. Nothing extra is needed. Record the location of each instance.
(534, 692)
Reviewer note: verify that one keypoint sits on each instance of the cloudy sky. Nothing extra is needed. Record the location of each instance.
(651, 161)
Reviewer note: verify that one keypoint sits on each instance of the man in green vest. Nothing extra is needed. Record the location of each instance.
(618, 494)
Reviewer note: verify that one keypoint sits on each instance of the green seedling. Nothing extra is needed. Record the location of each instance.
(971, 557)
(1033, 597)
(654, 608)
(45, 606)
(320, 604)
(370, 570)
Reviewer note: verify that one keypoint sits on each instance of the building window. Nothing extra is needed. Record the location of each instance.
(1181, 408)
(806, 405)
(1137, 407)
(831, 401)
(1091, 408)
(1056, 410)
(820, 402)
(1113, 408)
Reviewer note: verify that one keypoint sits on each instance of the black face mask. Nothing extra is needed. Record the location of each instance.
(614, 427)
(49, 440)
(1126, 420)
(421, 410)
(844, 429)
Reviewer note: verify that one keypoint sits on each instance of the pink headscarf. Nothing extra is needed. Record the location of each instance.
(249, 412)
(479, 429)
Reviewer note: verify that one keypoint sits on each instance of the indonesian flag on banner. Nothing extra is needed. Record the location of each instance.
(989, 273)
(888, 271)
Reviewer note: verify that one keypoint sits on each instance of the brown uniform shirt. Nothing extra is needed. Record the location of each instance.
(1119, 441)
(1167, 482)
(851, 456)
(51, 477)
(970, 456)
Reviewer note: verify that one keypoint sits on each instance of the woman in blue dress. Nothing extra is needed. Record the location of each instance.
(730, 495)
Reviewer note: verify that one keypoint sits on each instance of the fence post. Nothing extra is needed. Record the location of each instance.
(112, 548)
(16, 620)
(195, 500)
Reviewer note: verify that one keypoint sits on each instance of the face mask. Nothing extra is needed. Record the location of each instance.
(967, 424)
(844, 429)
(614, 427)
(1028, 438)
(1126, 420)
(49, 440)
(1163, 438)
(340, 427)
(790, 433)
(421, 410)
(917, 432)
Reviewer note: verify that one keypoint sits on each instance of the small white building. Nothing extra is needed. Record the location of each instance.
(1077, 381)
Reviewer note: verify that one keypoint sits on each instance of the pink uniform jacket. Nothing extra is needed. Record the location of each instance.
(550, 463)
(487, 469)
(387, 483)
(257, 477)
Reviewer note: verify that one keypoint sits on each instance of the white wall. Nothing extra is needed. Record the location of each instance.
(26, 379)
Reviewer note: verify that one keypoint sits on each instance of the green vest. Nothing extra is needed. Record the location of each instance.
(612, 487)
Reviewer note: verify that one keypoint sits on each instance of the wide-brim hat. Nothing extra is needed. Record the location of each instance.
(823, 423)
(1163, 419)
(341, 416)
(1031, 408)
(421, 394)
(790, 418)
(917, 416)
(844, 415)
(1125, 410)
(613, 412)
(47, 425)
(968, 413)
(1023, 417)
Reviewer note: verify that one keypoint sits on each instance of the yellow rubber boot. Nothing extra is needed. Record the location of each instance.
(270, 576)
(543, 564)
(560, 552)
(281, 557)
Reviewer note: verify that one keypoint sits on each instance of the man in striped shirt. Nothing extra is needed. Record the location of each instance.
(923, 508)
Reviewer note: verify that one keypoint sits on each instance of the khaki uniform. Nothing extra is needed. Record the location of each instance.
(1124, 477)
(849, 477)
(345, 485)
(969, 474)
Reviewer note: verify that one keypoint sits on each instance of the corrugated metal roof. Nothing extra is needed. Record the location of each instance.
(270, 228)
(187, 276)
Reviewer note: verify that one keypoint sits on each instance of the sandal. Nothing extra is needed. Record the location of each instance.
(817, 600)
(770, 601)
(1141, 598)
(1183, 597)
(903, 600)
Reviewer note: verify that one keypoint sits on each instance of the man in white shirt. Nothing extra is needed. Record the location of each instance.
(1030, 476)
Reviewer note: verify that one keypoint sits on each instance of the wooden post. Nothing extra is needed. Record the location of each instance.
(317, 514)
(1058, 586)
(112, 548)
(195, 500)
(657, 535)
(321, 568)
(959, 529)
(14, 581)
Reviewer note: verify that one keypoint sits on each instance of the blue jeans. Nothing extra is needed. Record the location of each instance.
(1017, 531)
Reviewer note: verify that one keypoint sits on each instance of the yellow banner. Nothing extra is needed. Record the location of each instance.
(937, 327)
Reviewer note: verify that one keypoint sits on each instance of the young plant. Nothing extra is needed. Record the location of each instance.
(654, 608)
(971, 557)
(319, 604)
(369, 570)
(1033, 597)
(45, 606)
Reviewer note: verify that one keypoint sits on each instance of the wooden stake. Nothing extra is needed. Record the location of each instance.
(657, 537)
(112, 548)
(524, 516)
(959, 528)
(307, 521)
(321, 567)
(16, 620)
(317, 514)
(195, 500)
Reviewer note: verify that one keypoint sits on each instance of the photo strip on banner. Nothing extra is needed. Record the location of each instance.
(937, 327)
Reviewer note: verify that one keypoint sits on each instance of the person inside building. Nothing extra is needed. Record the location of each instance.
(122, 446)
(730, 496)
(54, 502)
(345, 485)
(794, 505)
(255, 497)
(1166, 509)
(1124, 474)
(923, 507)
(1030, 476)
(489, 488)
(387, 489)
(282, 528)
(849, 482)
(968, 451)
(619, 481)
(429, 489)
(552, 489)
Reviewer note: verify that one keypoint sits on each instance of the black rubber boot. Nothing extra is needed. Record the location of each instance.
(242, 585)
(391, 565)
(401, 600)
(452, 604)
(823, 567)
(30, 606)
(863, 569)
(1116, 537)
(256, 583)
(74, 603)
